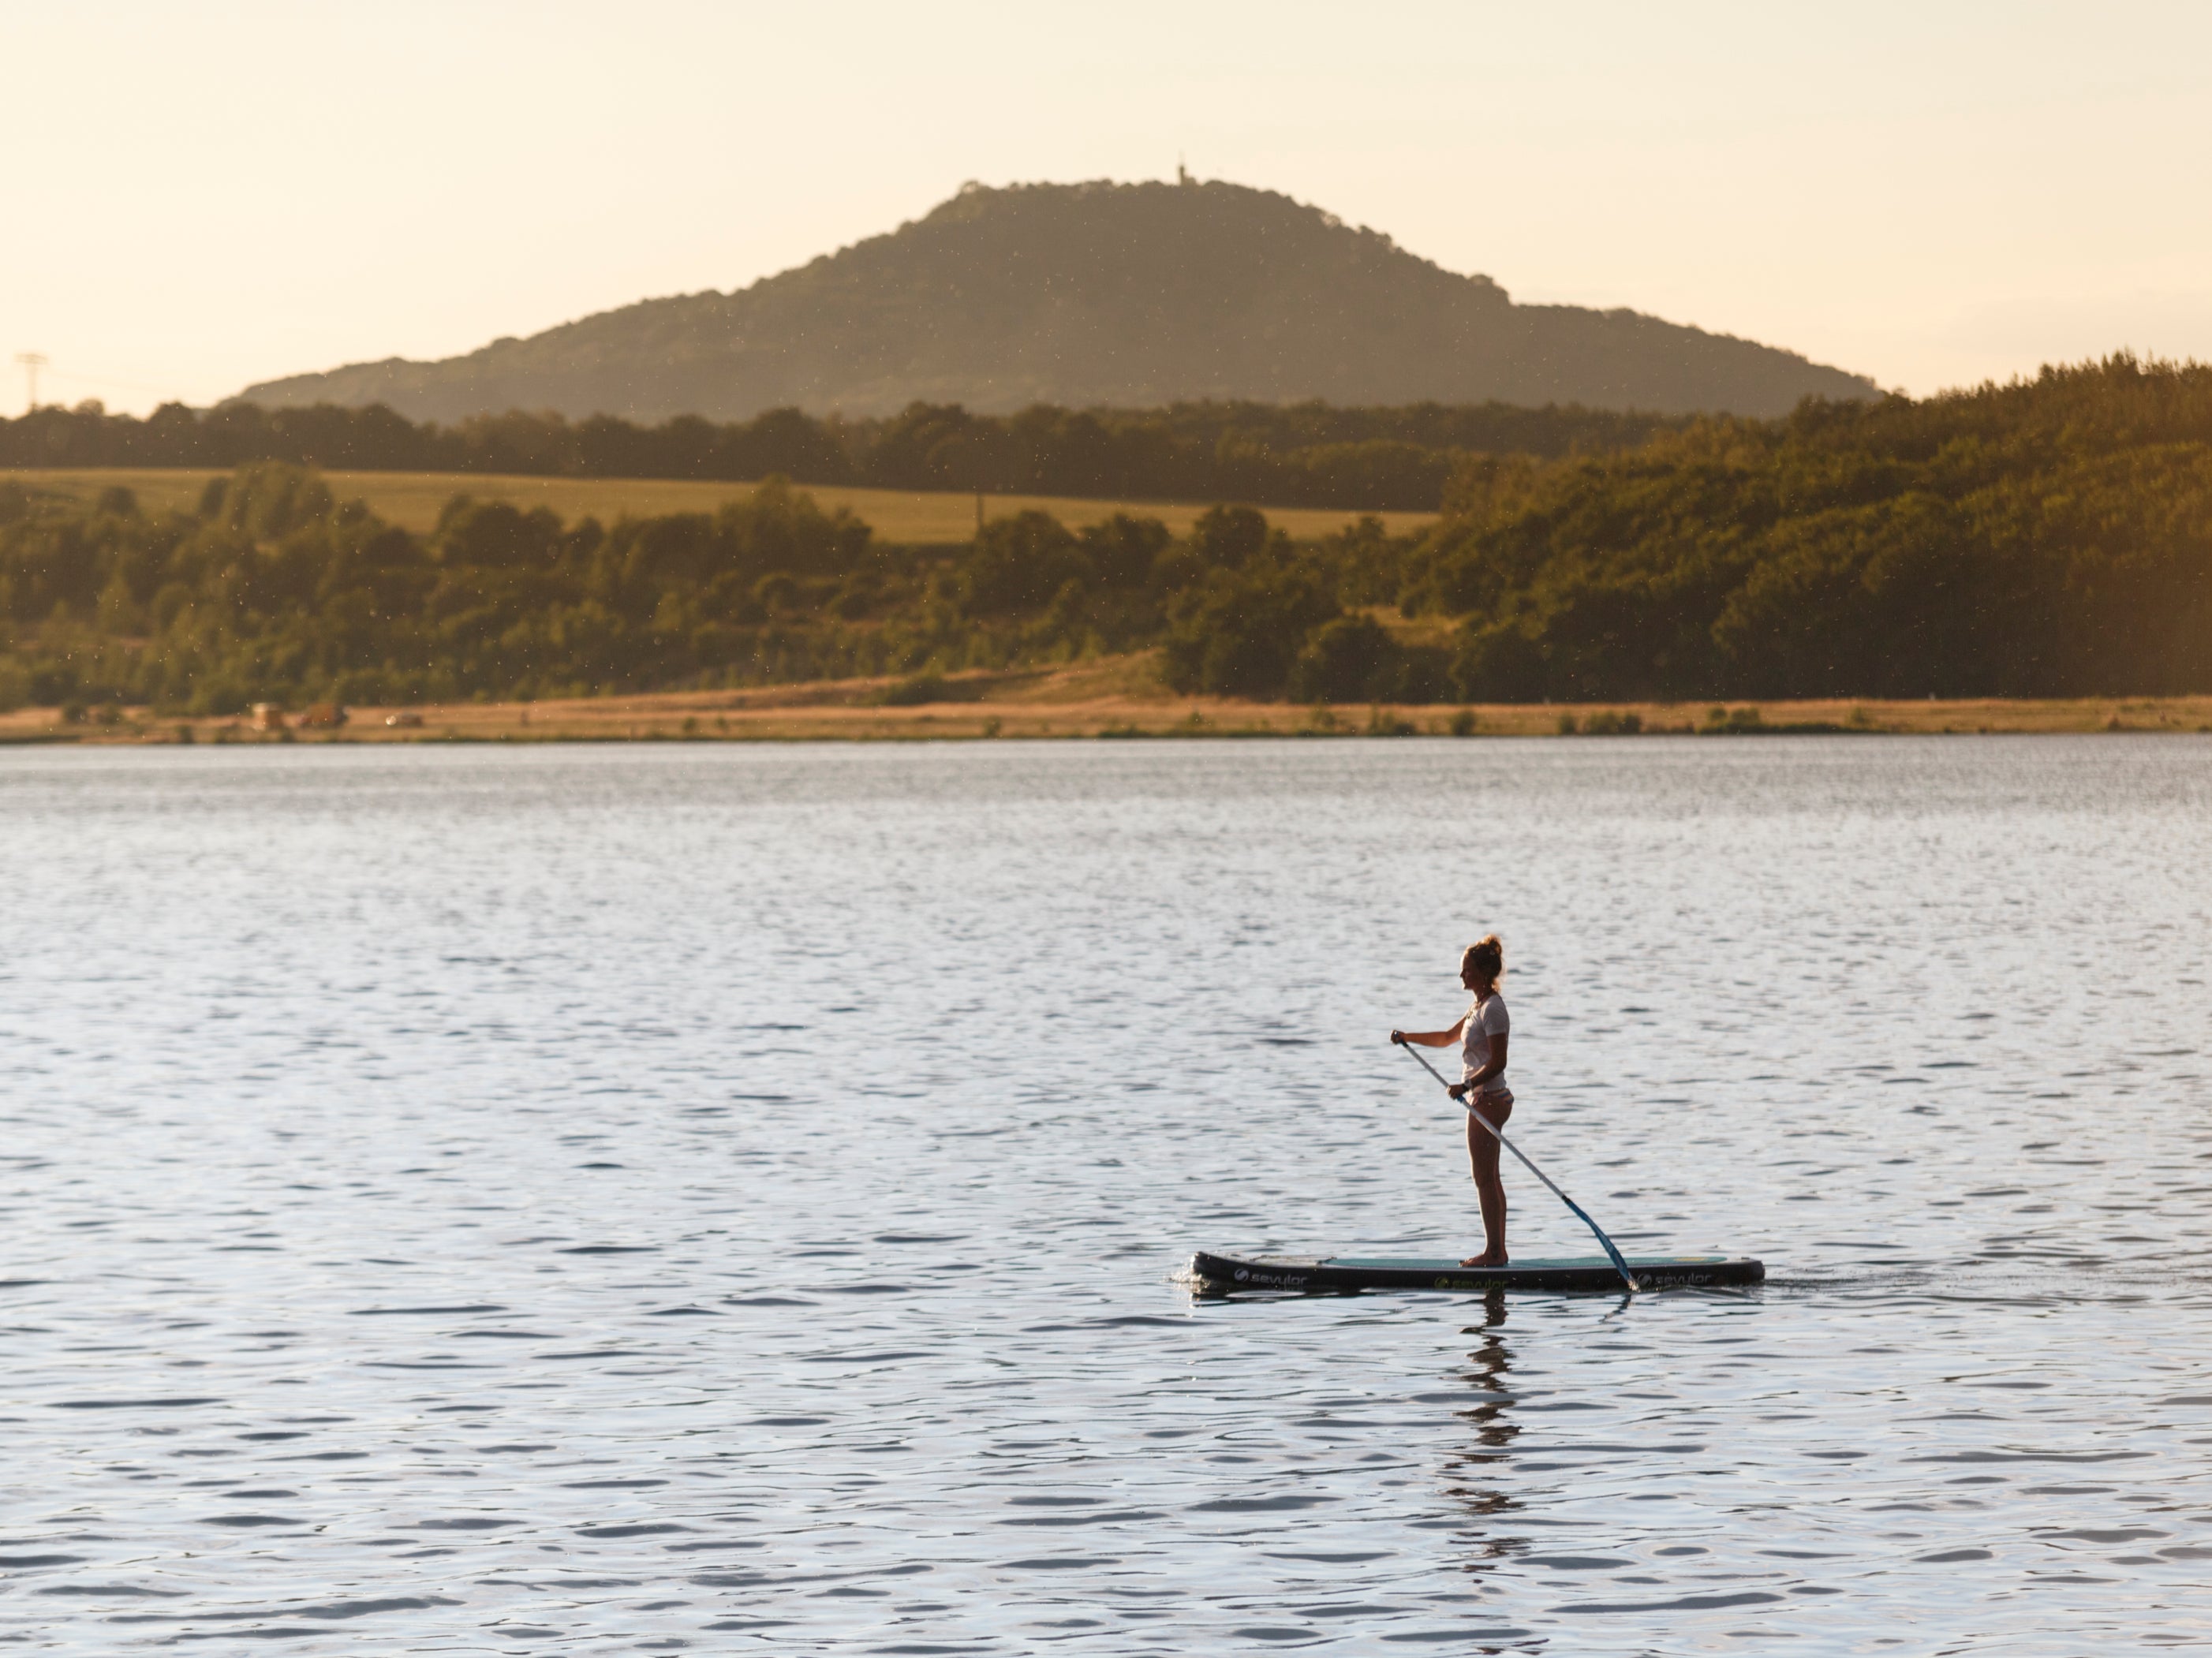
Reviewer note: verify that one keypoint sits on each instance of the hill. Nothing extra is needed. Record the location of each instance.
(1087, 295)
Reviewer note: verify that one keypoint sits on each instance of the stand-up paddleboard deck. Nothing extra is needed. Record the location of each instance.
(1337, 1273)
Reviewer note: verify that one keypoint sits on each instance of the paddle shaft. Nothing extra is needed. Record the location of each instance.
(1627, 1277)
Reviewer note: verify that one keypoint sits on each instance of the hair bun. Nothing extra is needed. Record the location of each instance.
(1486, 955)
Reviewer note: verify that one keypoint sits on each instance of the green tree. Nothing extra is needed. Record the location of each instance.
(1351, 659)
(1238, 633)
(1020, 563)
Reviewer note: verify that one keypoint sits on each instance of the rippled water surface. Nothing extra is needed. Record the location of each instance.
(640, 1200)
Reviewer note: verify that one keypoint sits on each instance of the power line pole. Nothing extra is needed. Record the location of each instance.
(32, 362)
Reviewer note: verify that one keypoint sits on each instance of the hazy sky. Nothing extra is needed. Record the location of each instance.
(201, 194)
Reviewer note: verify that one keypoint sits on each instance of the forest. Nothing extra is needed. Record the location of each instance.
(2049, 537)
(1301, 455)
(271, 588)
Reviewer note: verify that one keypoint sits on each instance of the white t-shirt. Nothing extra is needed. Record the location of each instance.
(1485, 1019)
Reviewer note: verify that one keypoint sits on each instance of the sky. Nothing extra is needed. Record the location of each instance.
(1933, 194)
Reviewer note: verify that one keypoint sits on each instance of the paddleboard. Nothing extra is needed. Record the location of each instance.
(1337, 1273)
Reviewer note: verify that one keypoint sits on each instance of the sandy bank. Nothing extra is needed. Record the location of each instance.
(1114, 698)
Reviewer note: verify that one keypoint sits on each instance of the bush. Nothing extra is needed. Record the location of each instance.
(1499, 664)
(778, 527)
(775, 592)
(1424, 674)
(1019, 563)
(1351, 660)
(1239, 634)
(270, 499)
(916, 690)
(1380, 724)
(854, 598)
(1227, 538)
(53, 683)
(496, 535)
(1122, 550)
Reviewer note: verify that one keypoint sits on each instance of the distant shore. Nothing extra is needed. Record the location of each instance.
(1113, 698)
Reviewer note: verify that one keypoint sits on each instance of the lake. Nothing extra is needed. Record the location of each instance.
(728, 1198)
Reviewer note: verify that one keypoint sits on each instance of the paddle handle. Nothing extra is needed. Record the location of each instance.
(1581, 1214)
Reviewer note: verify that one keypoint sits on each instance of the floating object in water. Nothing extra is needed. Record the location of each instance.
(1337, 1273)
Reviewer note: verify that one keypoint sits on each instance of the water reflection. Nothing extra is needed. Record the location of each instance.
(1487, 1368)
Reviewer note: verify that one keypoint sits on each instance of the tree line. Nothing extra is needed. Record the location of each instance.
(271, 588)
(2050, 538)
(1306, 455)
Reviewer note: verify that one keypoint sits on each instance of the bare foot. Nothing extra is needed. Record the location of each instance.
(1486, 1260)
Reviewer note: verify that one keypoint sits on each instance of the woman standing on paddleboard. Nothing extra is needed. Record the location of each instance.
(1482, 1033)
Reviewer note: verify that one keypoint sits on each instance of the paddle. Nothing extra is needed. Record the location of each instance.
(1627, 1277)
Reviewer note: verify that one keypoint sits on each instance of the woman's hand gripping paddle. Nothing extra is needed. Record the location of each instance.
(1627, 1277)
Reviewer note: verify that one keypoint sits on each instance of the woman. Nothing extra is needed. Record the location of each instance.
(1481, 1032)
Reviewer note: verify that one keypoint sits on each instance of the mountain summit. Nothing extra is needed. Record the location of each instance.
(1128, 295)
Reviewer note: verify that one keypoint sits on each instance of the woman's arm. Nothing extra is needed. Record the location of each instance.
(1432, 1038)
(1489, 1068)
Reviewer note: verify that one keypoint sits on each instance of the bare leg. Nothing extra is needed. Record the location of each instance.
(1482, 1150)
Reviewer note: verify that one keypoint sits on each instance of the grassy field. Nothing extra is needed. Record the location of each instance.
(908, 518)
(1111, 696)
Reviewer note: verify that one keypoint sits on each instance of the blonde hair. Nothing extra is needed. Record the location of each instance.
(1486, 955)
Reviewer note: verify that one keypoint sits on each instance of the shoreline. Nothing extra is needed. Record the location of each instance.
(1106, 700)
